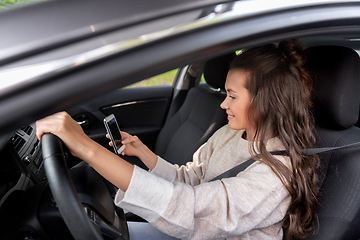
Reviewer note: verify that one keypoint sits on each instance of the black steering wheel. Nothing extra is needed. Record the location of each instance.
(82, 224)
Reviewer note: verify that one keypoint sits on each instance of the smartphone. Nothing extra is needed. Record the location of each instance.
(113, 130)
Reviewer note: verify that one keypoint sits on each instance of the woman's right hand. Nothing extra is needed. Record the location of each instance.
(134, 147)
(132, 144)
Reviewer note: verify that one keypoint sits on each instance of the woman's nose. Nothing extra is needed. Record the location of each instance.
(223, 105)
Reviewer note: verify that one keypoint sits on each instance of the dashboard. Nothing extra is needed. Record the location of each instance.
(28, 148)
(28, 209)
(21, 163)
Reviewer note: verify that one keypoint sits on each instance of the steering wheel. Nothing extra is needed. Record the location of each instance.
(74, 214)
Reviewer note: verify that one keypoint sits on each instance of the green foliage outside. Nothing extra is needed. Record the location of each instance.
(159, 80)
(164, 79)
(6, 4)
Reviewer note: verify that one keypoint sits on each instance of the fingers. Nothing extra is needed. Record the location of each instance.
(58, 124)
(127, 138)
(132, 143)
(130, 139)
(50, 124)
(124, 134)
(67, 129)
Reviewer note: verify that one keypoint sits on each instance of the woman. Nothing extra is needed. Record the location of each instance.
(267, 105)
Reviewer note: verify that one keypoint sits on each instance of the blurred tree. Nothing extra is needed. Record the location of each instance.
(5, 4)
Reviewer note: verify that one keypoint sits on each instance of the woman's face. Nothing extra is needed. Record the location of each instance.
(237, 101)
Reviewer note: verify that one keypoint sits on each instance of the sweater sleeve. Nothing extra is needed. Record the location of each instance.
(254, 199)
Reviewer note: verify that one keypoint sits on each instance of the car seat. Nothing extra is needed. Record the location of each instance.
(336, 110)
(199, 116)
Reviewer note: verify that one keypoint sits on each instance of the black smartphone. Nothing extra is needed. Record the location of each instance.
(113, 130)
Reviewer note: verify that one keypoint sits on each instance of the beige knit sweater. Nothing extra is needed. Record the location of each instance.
(182, 203)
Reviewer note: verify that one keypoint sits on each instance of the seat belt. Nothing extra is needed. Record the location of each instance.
(232, 172)
(311, 151)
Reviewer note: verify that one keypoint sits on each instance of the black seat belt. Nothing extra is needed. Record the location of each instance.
(311, 151)
(232, 172)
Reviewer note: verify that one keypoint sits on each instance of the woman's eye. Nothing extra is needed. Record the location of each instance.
(232, 97)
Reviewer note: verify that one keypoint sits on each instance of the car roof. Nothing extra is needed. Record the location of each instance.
(44, 25)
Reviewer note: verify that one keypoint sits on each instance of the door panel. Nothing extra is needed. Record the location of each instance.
(139, 111)
(143, 118)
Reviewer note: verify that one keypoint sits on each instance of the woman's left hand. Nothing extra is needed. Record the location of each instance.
(67, 129)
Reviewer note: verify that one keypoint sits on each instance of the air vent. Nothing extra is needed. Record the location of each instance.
(27, 129)
(18, 142)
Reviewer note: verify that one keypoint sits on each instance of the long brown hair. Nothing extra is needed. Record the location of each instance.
(280, 106)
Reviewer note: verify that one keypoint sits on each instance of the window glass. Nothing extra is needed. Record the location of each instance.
(6, 4)
(202, 79)
(164, 79)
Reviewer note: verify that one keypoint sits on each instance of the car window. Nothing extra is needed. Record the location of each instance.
(6, 4)
(202, 79)
(164, 79)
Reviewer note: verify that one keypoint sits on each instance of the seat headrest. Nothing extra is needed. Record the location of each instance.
(336, 94)
(216, 70)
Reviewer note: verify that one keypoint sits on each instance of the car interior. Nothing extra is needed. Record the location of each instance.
(201, 105)
(336, 111)
(174, 121)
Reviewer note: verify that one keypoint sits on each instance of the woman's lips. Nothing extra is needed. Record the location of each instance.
(229, 116)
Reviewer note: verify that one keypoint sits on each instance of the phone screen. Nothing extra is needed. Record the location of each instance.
(114, 133)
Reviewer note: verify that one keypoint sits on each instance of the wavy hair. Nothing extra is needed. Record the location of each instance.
(280, 107)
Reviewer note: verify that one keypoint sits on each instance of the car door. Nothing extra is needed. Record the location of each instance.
(140, 109)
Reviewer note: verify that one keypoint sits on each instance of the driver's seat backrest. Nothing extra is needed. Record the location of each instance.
(336, 110)
(199, 116)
